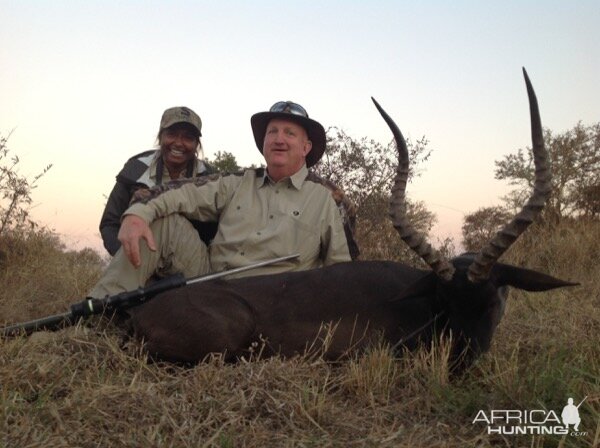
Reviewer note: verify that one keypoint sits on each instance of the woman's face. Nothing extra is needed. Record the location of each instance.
(178, 144)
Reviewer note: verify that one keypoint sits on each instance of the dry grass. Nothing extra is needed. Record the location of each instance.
(89, 387)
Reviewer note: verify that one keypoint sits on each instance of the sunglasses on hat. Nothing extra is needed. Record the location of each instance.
(289, 107)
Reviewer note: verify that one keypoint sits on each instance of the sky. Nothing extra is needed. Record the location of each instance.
(83, 85)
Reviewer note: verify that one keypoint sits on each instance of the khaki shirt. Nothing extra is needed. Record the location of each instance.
(258, 219)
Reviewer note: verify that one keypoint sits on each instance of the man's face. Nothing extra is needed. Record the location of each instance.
(178, 144)
(285, 148)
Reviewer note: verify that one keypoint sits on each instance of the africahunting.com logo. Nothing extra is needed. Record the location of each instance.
(536, 421)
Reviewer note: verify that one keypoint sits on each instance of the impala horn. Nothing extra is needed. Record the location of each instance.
(415, 240)
(485, 259)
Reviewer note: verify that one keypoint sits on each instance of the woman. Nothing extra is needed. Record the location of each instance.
(177, 157)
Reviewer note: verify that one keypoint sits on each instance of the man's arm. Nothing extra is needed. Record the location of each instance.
(346, 209)
(348, 213)
(133, 229)
(335, 246)
(201, 198)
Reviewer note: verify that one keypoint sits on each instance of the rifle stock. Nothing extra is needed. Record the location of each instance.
(91, 306)
(46, 323)
(121, 301)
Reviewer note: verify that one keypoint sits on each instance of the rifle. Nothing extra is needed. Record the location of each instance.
(123, 300)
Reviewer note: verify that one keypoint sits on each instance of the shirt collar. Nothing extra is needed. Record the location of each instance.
(296, 180)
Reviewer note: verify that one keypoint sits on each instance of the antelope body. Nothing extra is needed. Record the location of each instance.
(344, 307)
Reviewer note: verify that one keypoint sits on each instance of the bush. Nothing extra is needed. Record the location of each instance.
(15, 192)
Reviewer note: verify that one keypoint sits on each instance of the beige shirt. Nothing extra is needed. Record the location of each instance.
(258, 219)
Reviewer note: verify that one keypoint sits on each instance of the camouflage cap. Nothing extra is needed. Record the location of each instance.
(176, 115)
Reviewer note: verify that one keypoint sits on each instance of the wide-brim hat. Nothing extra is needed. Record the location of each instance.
(294, 112)
(181, 114)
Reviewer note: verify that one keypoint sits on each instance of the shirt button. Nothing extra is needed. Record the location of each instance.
(270, 216)
(258, 233)
(242, 254)
(238, 207)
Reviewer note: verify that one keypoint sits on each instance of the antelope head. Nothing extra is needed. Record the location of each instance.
(471, 289)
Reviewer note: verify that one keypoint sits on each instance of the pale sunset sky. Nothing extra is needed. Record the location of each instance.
(83, 85)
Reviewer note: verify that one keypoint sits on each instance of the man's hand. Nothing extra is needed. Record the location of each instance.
(133, 228)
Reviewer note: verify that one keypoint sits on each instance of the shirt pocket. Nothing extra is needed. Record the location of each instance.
(303, 238)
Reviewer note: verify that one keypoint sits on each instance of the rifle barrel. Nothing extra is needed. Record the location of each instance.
(207, 277)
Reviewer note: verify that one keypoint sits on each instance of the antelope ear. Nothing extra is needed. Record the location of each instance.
(424, 286)
(527, 279)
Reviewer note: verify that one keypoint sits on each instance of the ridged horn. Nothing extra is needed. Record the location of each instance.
(415, 240)
(485, 259)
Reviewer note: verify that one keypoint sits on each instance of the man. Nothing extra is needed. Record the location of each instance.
(570, 415)
(262, 214)
(177, 157)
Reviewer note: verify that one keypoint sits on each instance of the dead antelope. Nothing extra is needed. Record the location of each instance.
(362, 300)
